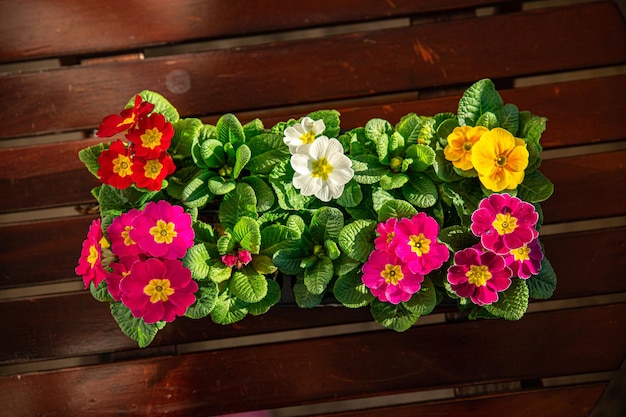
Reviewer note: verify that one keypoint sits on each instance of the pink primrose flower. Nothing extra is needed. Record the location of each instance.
(503, 223)
(229, 260)
(479, 276)
(163, 230)
(120, 270)
(90, 262)
(415, 242)
(386, 232)
(389, 279)
(526, 260)
(244, 257)
(119, 234)
(158, 290)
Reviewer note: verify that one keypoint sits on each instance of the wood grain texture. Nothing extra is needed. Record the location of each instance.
(405, 59)
(334, 368)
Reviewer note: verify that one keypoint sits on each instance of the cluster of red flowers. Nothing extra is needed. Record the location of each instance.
(144, 161)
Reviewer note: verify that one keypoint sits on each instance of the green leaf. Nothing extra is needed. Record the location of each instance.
(445, 128)
(263, 192)
(268, 150)
(276, 237)
(326, 224)
(542, 285)
(242, 155)
(535, 188)
(218, 272)
(420, 191)
(226, 243)
(253, 128)
(480, 98)
(409, 127)
(457, 237)
(395, 317)
(228, 309)
(186, 132)
(212, 153)
(444, 168)
(263, 264)
(272, 297)
(248, 234)
(352, 195)
(391, 181)
(241, 202)
(229, 130)
(177, 182)
(288, 260)
(101, 293)
(112, 200)
(427, 131)
(512, 303)
(220, 186)
(196, 193)
(161, 105)
(331, 121)
(196, 260)
(249, 286)
(508, 117)
(424, 301)
(332, 250)
(206, 298)
(296, 224)
(289, 198)
(531, 126)
(397, 209)
(138, 330)
(423, 156)
(356, 239)
(488, 120)
(89, 157)
(317, 277)
(305, 298)
(367, 169)
(350, 291)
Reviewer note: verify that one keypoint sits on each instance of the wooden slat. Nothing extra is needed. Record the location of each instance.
(341, 367)
(121, 25)
(575, 401)
(398, 60)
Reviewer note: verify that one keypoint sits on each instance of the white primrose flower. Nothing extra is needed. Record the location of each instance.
(302, 133)
(321, 169)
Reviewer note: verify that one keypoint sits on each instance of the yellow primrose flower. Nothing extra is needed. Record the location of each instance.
(460, 143)
(500, 160)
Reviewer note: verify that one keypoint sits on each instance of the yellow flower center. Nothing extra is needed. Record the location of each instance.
(163, 232)
(153, 168)
(392, 274)
(93, 256)
(390, 237)
(478, 275)
(501, 161)
(521, 254)
(122, 166)
(321, 168)
(419, 244)
(467, 146)
(126, 235)
(307, 137)
(151, 138)
(158, 290)
(504, 223)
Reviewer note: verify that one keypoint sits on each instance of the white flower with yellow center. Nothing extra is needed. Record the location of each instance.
(302, 133)
(321, 169)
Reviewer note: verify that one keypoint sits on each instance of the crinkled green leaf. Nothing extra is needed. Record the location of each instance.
(535, 188)
(488, 120)
(508, 117)
(392, 181)
(445, 128)
(218, 272)
(367, 169)
(248, 285)
(457, 237)
(395, 317)
(253, 128)
(350, 291)
(101, 293)
(331, 121)
(268, 150)
(161, 105)
(480, 98)
(357, 239)
(138, 330)
(228, 309)
(186, 132)
(420, 191)
(444, 168)
(409, 127)
(240, 202)
(304, 297)
(196, 260)
(542, 285)
(177, 182)
(327, 222)
(289, 198)
(422, 157)
(424, 301)
(272, 297)
(206, 298)
(243, 155)
(332, 249)
(196, 193)
(512, 303)
(317, 277)
(264, 195)
(212, 153)
(276, 237)
(352, 195)
(263, 264)
(288, 260)
(531, 126)
(397, 209)
(248, 234)
(112, 200)
(219, 185)
(89, 157)
(427, 131)
(229, 130)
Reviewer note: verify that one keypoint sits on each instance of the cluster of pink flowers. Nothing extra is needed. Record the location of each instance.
(239, 260)
(147, 274)
(508, 248)
(405, 251)
(145, 161)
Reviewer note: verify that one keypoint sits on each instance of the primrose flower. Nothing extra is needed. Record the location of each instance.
(150, 173)
(90, 262)
(479, 276)
(503, 223)
(525, 260)
(388, 278)
(500, 159)
(321, 169)
(460, 143)
(120, 270)
(152, 136)
(163, 230)
(127, 119)
(116, 166)
(158, 290)
(303, 133)
(386, 232)
(415, 242)
(119, 235)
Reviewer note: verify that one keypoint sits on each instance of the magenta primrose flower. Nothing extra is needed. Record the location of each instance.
(120, 270)
(415, 242)
(90, 262)
(479, 275)
(526, 260)
(118, 233)
(388, 278)
(386, 232)
(163, 230)
(158, 290)
(503, 223)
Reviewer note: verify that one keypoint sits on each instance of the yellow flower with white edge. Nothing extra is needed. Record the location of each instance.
(460, 144)
(500, 159)
(303, 133)
(321, 169)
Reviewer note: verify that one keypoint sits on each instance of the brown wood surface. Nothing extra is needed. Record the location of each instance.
(549, 402)
(106, 26)
(431, 55)
(333, 368)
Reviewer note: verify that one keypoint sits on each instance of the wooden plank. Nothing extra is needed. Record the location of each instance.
(571, 401)
(69, 26)
(457, 52)
(340, 367)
